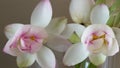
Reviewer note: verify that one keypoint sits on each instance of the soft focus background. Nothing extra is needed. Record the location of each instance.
(19, 11)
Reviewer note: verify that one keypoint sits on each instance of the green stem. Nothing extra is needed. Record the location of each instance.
(78, 65)
(85, 64)
(81, 65)
(92, 66)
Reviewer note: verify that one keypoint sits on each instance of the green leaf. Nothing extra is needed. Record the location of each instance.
(74, 38)
(117, 3)
(100, 2)
(92, 66)
(84, 64)
(115, 6)
(111, 21)
(117, 20)
(112, 8)
(78, 65)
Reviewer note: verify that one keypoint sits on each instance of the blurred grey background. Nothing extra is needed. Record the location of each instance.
(19, 11)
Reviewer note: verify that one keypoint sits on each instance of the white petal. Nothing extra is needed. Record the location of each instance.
(113, 49)
(57, 25)
(25, 60)
(71, 28)
(11, 51)
(58, 43)
(42, 14)
(11, 29)
(11, 45)
(46, 58)
(80, 10)
(75, 54)
(99, 14)
(97, 59)
(117, 34)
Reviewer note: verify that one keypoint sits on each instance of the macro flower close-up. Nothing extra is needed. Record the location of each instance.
(61, 34)
(31, 42)
(98, 40)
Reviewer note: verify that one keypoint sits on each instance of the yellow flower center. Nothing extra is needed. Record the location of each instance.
(32, 38)
(98, 37)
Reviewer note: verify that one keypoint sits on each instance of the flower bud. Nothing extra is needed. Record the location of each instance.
(80, 10)
(99, 14)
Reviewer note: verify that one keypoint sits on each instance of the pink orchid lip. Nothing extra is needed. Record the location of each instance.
(32, 37)
(94, 36)
(100, 38)
(28, 39)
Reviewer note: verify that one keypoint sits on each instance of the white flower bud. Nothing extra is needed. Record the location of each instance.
(99, 14)
(80, 10)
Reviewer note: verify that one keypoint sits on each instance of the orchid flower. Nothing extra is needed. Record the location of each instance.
(96, 43)
(97, 40)
(27, 42)
(80, 10)
(100, 15)
(27, 45)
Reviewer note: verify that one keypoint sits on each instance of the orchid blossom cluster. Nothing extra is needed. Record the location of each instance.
(35, 41)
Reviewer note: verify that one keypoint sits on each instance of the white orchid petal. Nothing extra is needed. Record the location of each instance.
(99, 14)
(11, 51)
(115, 48)
(80, 14)
(97, 59)
(25, 60)
(71, 28)
(75, 54)
(11, 29)
(112, 50)
(58, 43)
(46, 58)
(57, 25)
(117, 34)
(11, 45)
(42, 14)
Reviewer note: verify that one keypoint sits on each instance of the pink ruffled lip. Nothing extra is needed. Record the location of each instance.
(28, 39)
